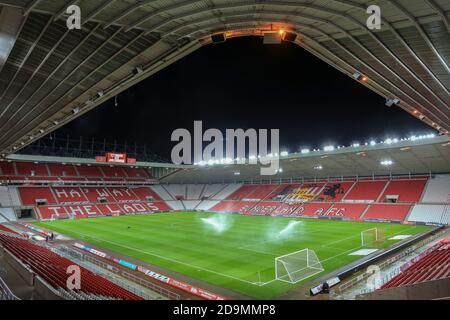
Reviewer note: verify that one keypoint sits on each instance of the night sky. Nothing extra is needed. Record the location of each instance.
(245, 84)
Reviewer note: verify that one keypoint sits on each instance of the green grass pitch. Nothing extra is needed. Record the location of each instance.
(233, 251)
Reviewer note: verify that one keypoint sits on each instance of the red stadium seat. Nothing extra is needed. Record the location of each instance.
(52, 268)
(32, 169)
(61, 170)
(394, 212)
(69, 195)
(366, 191)
(29, 195)
(406, 190)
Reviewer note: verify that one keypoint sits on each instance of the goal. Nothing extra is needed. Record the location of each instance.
(372, 236)
(297, 266)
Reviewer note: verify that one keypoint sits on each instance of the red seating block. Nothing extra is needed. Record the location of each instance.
(397, 212)
(407, 190)
(29, 195)
(366, 190)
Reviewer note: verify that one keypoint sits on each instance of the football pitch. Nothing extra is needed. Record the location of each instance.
(232, 251)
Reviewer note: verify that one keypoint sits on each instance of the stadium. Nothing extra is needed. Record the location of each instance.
(91, 220)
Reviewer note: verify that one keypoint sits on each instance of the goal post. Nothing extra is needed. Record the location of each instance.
(297, 266)
(372, 236)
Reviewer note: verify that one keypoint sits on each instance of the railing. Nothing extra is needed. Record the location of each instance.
(335, 294)
(105, 266)
(5, 292)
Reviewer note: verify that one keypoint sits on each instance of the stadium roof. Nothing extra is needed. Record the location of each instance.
(50, 75)
(405, 157)
(416, 156)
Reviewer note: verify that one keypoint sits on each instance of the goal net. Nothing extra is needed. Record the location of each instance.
(372, 236)
(297, 266)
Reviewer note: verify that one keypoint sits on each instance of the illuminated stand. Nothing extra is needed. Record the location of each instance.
(297, 266)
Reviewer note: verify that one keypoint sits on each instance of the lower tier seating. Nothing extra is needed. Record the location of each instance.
(433, 265)
(53, 269)
(91, 210)
(391, 212)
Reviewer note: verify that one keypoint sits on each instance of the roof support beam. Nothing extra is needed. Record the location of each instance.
(11, 23)
(24, 60)
(48, 109)
(30, 6)
(440, 12)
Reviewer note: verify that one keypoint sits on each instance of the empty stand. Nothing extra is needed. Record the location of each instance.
(32, 169)
(122, 194)
(53, 269)
(89, 171)
(29, 195)
(145, 193)
(98, 194)
(112, 171)
(69, 195)
(433, 265)
(367, 191)
(62, 170)
(7, 169)
(437, 190)
(390, 212)
(430, 213)
(242, 192)
(408, 191)
(136, 172)
(261, 192)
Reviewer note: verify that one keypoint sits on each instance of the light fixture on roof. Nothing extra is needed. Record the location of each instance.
(284, 153)
(355, 145)
(328, 148)
(304, 151)
(386, 163)
(76, 110)
(359, 77)
(318, 167)
(391, 102)
(138, 70)
(372, 143)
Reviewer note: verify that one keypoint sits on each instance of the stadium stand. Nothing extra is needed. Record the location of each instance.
(434, 264)
(437, 190)
(32, 169)
(210, 191)
(62, 170)
(242, 192)
(7, 168)
(8, 214)
(194, 191)
(53, 269)
(9, 197)
(177, 191)
(69, 195)
(89, 171)
(29, 195)
(389, 212)
(162, 192)
(367, 191)
(145, 193)
(408, 191)
(98, 194)
(430, 213)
